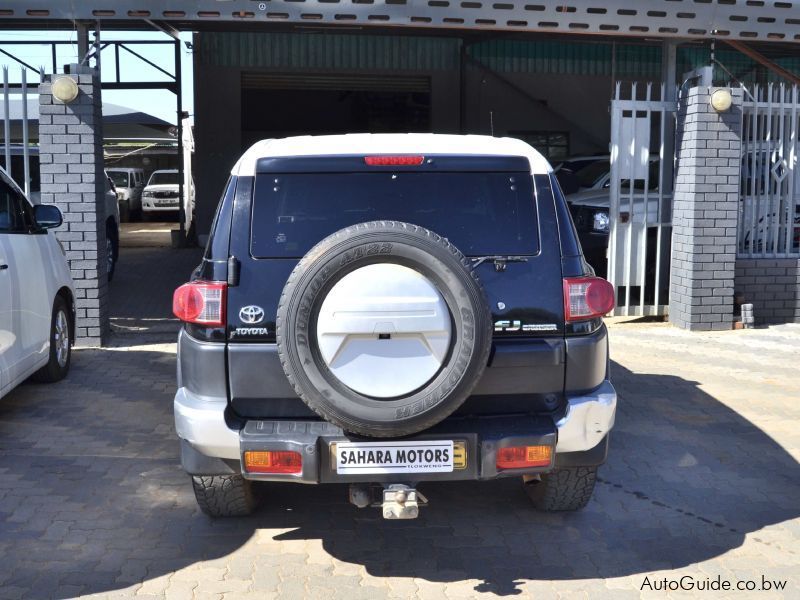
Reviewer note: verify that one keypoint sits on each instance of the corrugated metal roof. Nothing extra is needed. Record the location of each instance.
(328, 51)
(568, 58)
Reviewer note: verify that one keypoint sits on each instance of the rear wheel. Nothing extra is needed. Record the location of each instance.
(57, 366)
(224, 495)
(563, 489)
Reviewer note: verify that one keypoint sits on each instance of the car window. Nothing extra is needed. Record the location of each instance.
(15, 213)
(481, 213)
(163, 178)
(120, 178)
(591, 174)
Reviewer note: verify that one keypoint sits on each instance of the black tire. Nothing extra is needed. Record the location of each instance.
(359, 246)
(563, 489)
(57, 366)
(112, 249)
(224, 495)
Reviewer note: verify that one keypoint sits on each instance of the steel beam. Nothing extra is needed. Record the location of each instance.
(691, 19)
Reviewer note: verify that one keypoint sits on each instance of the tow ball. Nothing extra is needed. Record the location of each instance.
(399, 501)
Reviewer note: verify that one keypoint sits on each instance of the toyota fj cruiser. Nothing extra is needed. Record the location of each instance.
(387, 310)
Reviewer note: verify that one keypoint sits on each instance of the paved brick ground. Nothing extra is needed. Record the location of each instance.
(702, 478)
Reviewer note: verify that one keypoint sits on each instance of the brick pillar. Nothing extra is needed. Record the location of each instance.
(71, 159)
(705, 212)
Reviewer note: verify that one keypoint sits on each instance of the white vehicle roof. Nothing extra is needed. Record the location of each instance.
(389, 143)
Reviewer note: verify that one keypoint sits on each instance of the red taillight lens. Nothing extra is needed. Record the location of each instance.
(273, 461)
(201, 302)
(519, 457)
(389, 161)
(587, 298)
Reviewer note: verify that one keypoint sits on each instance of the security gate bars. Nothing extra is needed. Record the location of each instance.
(640, 198)
(769, 213)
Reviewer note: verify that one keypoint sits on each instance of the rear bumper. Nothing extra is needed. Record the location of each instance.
(580, 437)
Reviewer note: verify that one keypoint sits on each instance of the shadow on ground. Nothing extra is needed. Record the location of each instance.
(92, 498)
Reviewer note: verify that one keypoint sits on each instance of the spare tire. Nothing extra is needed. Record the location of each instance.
(383, 329)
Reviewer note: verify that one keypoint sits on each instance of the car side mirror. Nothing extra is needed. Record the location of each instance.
(48, 216)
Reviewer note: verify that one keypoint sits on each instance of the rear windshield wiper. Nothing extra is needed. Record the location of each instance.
(500, 261)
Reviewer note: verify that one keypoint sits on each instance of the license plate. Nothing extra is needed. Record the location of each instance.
(166, 202)
(372, 458)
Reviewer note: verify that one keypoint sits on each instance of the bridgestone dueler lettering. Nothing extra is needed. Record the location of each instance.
(383, 242)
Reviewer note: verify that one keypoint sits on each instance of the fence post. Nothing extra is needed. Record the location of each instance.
(705, 211)
(73, 178)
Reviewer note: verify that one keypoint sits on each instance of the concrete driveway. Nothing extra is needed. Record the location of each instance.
(702, 481)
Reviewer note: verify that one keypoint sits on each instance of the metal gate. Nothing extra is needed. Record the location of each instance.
(640, 198)
(769, 213)
(16, 150)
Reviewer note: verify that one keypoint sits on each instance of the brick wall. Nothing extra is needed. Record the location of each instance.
(705, 212)
(71, 166)
(772, 286)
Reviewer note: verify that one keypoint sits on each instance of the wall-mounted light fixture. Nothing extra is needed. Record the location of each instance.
(721, 100)
(65, 89)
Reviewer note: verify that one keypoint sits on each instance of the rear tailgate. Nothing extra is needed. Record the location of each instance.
(526, 367)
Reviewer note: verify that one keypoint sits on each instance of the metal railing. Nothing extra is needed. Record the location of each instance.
(16, 131)
(640, 198)
(769, 211)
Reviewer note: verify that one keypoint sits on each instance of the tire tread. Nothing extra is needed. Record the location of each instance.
(224, 495)
(563, 490)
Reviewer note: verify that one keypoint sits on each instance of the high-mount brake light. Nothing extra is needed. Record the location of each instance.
(393, 161)
(587, 298)
(201, 302)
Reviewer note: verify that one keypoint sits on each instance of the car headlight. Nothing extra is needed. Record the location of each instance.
(147, 194)
(600, 221)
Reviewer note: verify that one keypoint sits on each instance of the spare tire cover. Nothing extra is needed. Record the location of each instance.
(383, 329)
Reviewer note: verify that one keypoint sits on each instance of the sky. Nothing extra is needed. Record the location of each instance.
(160, 103)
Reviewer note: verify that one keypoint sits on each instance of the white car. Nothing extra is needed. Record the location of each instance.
(129, 183)
(37, 297)
(162, 192)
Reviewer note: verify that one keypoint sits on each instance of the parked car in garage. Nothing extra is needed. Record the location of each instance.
(37, 306)
(162, 193)
(590, 209)
(129, 183)
(112, 227)
(385, 310)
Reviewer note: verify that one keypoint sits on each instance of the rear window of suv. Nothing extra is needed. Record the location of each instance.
(481, 213)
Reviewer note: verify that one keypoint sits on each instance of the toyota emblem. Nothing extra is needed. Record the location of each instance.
(251, 314)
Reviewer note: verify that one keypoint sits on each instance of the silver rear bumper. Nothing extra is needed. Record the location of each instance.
(200, 420)
(588, 420)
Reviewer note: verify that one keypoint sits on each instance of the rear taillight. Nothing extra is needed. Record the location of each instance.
(520, 457)
(201, 302)
(273, 461)
(587, 298)
(390, 161)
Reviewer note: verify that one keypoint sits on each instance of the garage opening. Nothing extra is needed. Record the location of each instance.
(280, 105)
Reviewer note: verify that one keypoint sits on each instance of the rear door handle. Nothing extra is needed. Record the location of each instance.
(3, 267)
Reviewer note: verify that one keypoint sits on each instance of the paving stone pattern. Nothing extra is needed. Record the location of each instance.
(702, 480)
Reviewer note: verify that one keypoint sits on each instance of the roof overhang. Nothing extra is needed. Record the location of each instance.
(753, 21)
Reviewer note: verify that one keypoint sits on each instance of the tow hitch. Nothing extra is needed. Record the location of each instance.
(398, 501)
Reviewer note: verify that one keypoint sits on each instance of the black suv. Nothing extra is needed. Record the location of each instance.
(386, 310)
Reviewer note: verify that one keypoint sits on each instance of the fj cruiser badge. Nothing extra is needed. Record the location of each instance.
(251, 314)
(510, 326)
